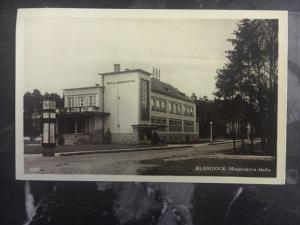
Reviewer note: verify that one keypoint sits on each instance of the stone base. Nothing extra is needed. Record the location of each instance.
(178, 138)
(96, 136)
(69, 139)
(124, 138)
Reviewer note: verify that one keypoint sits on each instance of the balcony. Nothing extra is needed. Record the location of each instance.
(82, 109)
(188, 113)
(158, 109)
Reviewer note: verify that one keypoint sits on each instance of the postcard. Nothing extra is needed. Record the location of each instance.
(194, 96)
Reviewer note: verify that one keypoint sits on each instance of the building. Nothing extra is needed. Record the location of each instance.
(128, 107)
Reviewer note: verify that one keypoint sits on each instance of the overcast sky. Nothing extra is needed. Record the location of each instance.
(70, 52)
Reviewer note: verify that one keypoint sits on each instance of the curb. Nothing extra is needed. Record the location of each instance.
(224, 142)
(119, 150)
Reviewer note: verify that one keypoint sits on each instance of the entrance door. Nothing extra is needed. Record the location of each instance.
(81, 125)
(145, 134)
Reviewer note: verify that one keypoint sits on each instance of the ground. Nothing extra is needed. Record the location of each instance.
(201, 159)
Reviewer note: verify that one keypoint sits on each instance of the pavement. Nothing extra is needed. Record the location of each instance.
(173, 160)
(68, 150)
(123, 150)
(171, 146)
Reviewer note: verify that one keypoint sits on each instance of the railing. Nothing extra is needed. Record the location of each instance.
(82, 109)
(158, 109)
(188, 114)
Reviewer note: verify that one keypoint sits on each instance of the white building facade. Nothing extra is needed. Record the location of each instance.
(128, 107)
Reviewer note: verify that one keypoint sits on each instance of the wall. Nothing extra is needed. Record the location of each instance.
(145, 77)
(174, 116)
(86, 91)
(121, 97)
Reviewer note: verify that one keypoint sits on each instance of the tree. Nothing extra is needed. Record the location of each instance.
(33, 110)
(249, 79)
(194, 97)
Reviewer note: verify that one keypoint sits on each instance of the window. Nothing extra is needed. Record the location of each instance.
(145, 100)
(175, 125)
(192, 111)
(171, 107)
(188, 126)
(175, 108)
(159, 105)
(159, 121)
(188, 110)
(92, 100)
(70, 102)
(157, 102)
(163, 106)
(81, 101)
(153, 104)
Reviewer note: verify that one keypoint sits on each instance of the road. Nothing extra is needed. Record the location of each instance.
(122, 163)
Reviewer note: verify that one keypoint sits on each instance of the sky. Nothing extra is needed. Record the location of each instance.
(64, 53)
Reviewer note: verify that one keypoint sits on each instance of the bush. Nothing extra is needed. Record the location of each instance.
(155, 138)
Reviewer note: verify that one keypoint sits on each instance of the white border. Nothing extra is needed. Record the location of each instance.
(282, 16)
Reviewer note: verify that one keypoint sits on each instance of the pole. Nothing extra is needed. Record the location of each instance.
(103, 132)
(211, 132)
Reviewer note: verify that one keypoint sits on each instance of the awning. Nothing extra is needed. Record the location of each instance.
(80, 114)
(149, 126)
(80, 111)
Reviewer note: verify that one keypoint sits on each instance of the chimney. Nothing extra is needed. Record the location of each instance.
(117, 68)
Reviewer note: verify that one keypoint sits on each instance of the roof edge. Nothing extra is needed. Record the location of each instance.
(183, 99)
(126, 71)
(66, 89)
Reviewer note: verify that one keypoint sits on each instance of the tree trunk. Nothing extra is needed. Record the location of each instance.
(233, 138)
(263, 132)
(243, 135)
(252, 137)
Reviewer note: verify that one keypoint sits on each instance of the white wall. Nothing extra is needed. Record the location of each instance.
(121, 97)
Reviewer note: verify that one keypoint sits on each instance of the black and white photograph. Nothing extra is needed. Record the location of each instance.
(137, 95)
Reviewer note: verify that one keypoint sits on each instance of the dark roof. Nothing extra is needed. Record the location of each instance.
(96, 86)
(167, 89)
(126, 71)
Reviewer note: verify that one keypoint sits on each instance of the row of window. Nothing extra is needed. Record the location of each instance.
(174, 125)
(160, 105)
(188, 111)
(160, 121)
(81, 101)
(145, 99)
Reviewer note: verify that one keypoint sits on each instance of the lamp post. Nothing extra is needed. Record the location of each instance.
(49, 122)
(211, 134)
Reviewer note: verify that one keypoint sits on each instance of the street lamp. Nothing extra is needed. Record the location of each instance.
(211, 134)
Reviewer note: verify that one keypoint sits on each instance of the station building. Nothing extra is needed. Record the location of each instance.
(128, 106)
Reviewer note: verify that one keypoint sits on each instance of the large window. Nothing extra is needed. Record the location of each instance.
(158, 105)
(92, 100)
(188, 110)
(188, 126)
(70, 102)
(160, 121)
(81, 101)
(145, 100)
(175, 108)
(175, 125)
